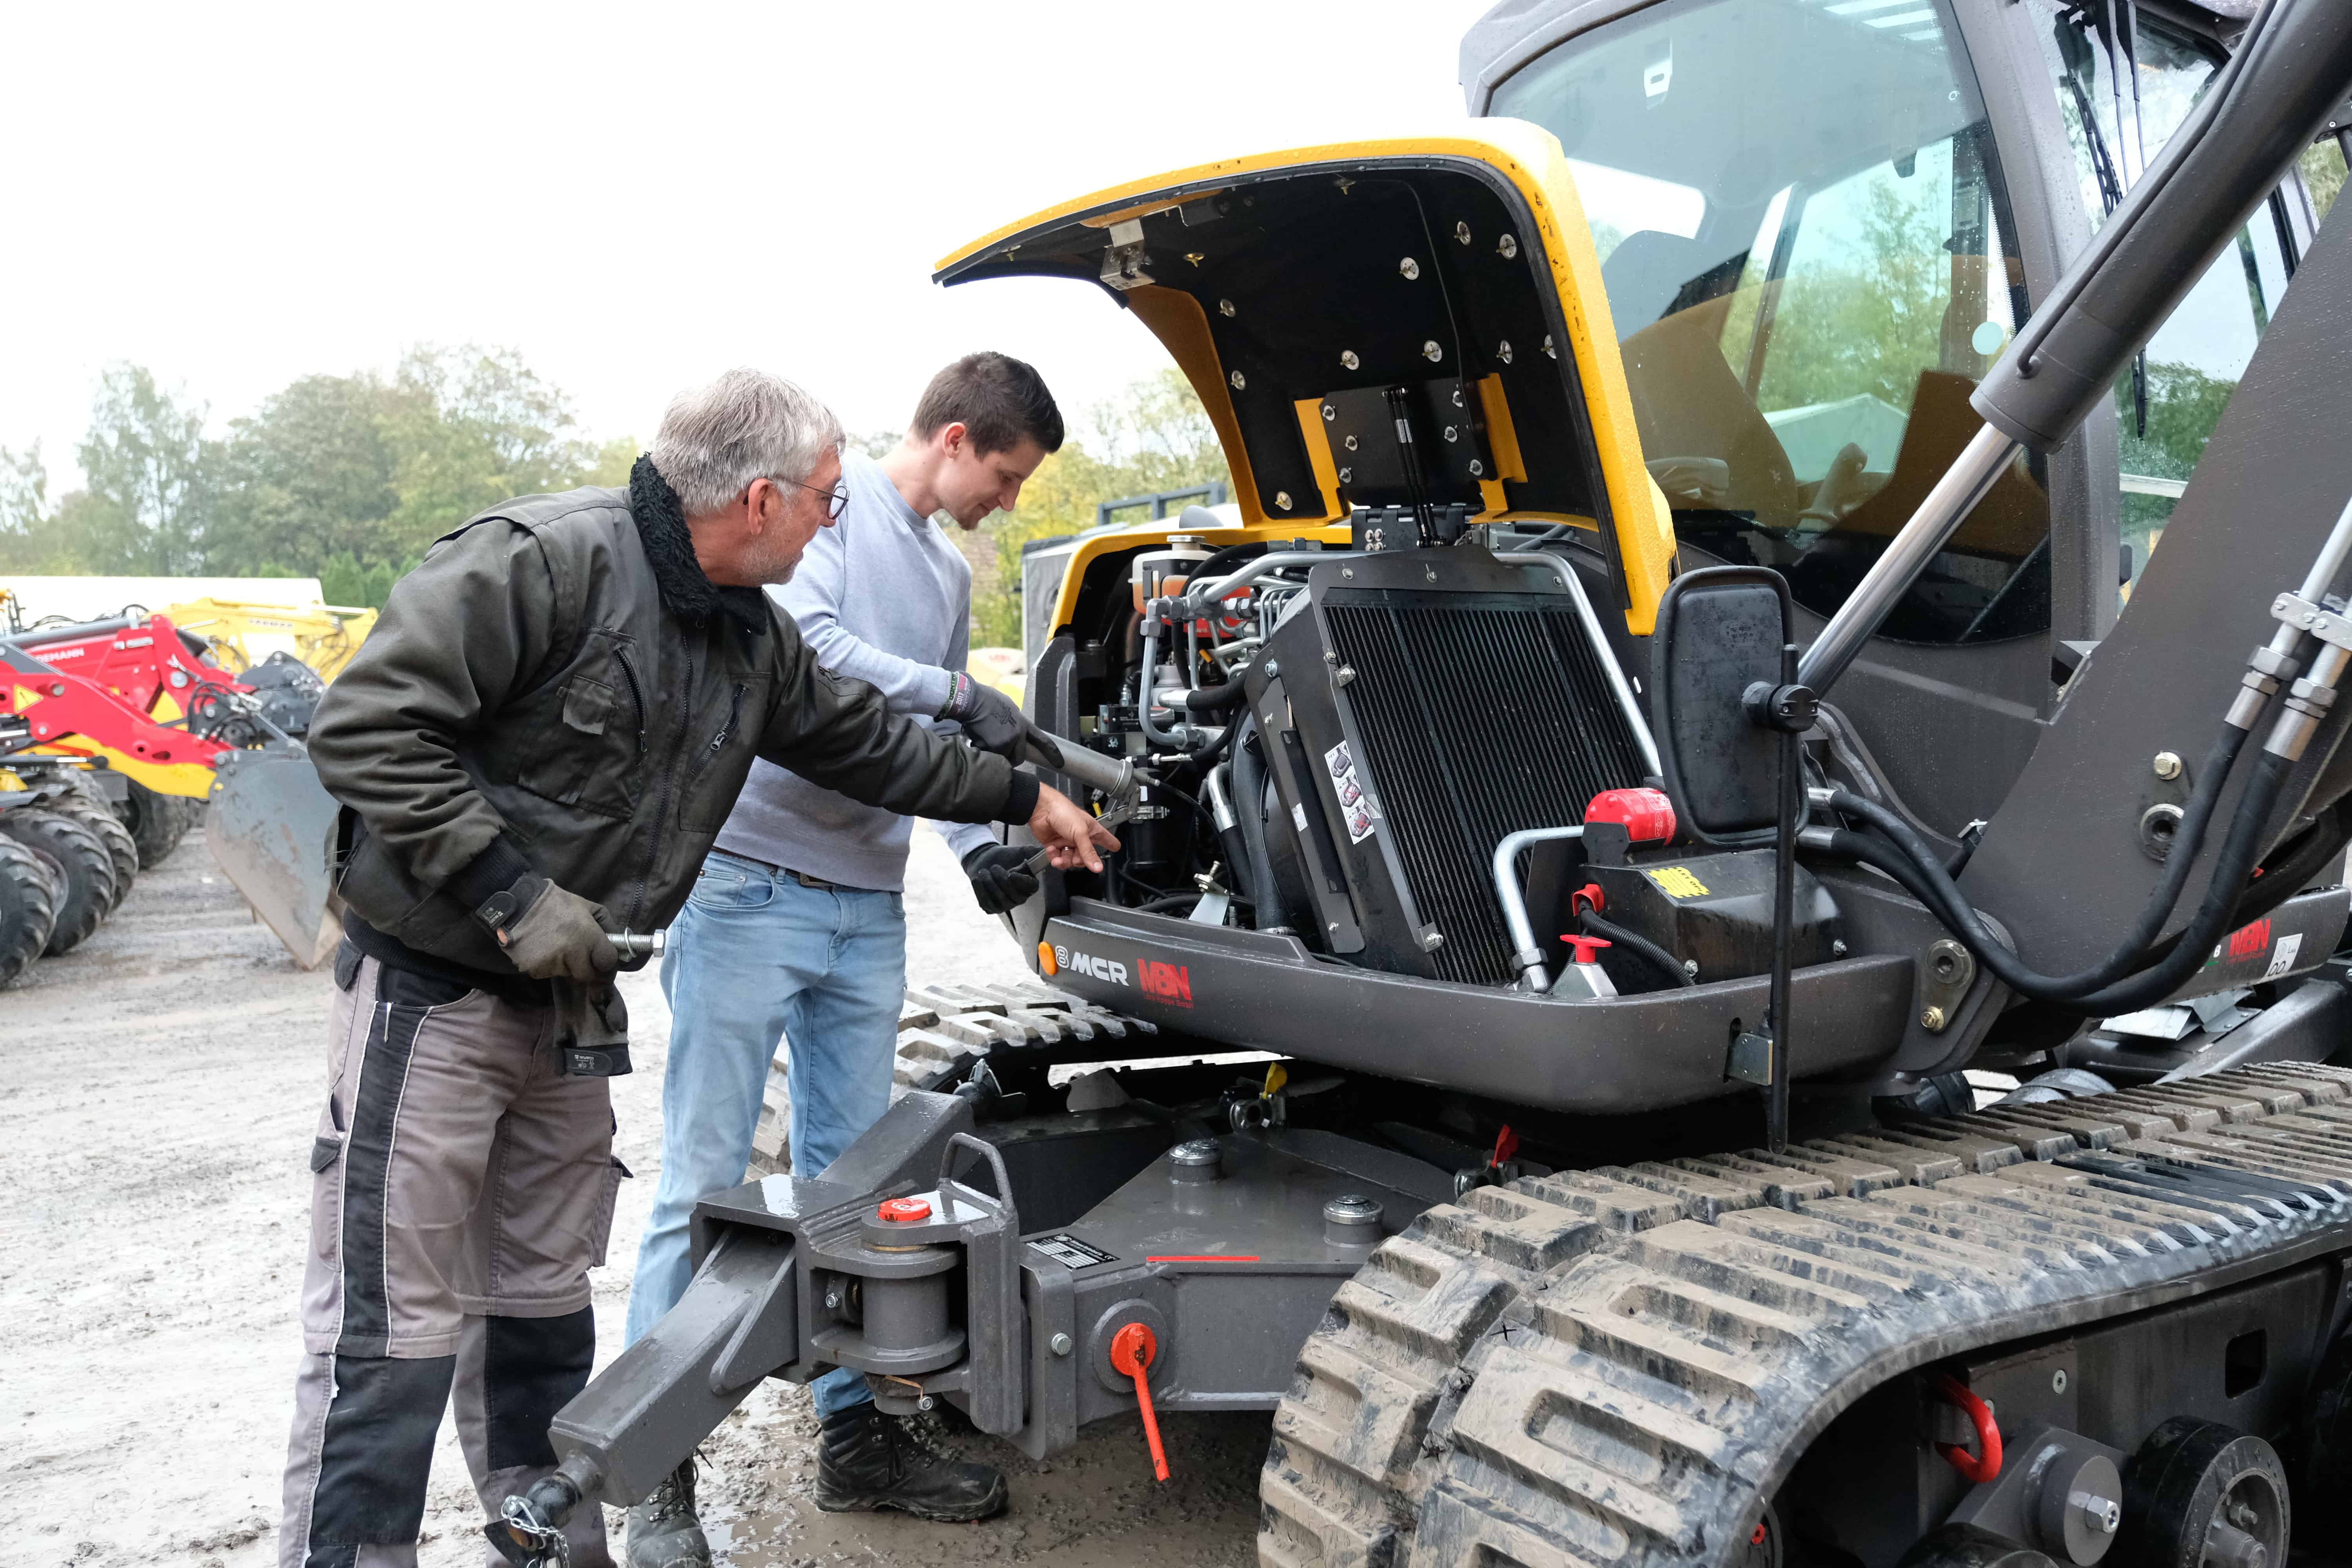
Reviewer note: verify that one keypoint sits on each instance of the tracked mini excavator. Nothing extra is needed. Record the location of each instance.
(1655, 722)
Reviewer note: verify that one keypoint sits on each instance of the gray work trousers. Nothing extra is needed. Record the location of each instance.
(462, 1191)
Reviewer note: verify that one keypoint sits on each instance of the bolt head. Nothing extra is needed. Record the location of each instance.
(1282, 499)
(2168, 765)
(1462, 233)
(1477, 468)
(1238, 380)
(1431, 352)
(1932, 1019)
(1410, 268)
(1453, 433)
(1061, 1345)
(1347, 359)
(925, 1402)
(1508, 246)
(1224, 307)
(2058, 1381)
(2103, 1514)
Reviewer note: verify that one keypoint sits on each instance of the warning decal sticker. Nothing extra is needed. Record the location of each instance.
(1677, 882)
(2283, 956)
(1356, 802)
(1071, 1253)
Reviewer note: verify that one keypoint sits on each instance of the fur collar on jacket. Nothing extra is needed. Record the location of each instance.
(686, 592)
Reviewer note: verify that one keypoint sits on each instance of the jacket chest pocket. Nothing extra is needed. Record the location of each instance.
(726, 743)
(584, 746)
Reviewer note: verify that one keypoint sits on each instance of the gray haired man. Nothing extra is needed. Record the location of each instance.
(537, 747)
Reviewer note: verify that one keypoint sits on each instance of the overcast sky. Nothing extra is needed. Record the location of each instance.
(634, 198)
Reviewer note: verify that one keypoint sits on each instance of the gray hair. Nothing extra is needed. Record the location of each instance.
(745, 426)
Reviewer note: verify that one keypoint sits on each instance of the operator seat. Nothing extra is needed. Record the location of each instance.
(1669, 297)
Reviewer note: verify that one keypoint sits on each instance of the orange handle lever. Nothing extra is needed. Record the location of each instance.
(1131, 1350)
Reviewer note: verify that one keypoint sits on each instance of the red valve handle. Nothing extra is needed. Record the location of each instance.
(1584, 945)
(1985, 1465)
(1131, 1350)
(1588, 896)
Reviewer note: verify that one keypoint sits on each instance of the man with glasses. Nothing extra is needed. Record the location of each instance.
(797, 926)
(534, 750)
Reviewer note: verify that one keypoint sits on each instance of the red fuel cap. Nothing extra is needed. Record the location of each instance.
(1584, 945)
(904, 1211)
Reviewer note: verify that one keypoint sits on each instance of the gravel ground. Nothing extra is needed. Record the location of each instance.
(157, 1091)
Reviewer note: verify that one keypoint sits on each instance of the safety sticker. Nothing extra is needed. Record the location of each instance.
(26, 697)
(1677, 882)
(1071, 1253)
(1356, 801)
(2283, 956)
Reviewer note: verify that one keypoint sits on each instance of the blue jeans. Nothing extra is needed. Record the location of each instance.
(754, 956)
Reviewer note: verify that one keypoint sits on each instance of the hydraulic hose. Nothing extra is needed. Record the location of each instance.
(2131, 950)
(1641, 947)
(2238, 853)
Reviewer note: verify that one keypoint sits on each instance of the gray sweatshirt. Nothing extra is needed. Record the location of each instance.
(882, 596)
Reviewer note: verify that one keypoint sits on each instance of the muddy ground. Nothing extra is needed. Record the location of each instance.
(157, 1091)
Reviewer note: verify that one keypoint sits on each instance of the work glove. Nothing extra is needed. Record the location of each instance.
(992, 719)
(1001, 878)
(550, 933)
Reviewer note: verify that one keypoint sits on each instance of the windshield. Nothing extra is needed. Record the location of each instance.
(1809, 260)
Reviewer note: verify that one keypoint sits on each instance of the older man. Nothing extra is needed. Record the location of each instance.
(797, 928)
(536, 747)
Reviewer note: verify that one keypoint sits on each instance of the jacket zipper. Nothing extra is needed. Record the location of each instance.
(661, 806)
(636, 692)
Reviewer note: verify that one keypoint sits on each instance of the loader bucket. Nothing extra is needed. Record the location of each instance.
(272, 828)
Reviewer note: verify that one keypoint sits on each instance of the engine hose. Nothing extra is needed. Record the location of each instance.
(2131, 950)
(1221, 698)
(1615, 935)
(2167, 974)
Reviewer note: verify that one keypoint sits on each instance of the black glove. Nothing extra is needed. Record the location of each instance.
(549, 932)
(992, 719)
(1001, 878)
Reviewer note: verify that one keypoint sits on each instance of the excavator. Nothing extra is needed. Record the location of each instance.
(1666, 714)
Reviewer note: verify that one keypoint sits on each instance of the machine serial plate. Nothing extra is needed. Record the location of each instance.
(1071, 1253)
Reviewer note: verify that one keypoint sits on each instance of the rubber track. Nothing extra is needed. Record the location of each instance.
(1617, 1366)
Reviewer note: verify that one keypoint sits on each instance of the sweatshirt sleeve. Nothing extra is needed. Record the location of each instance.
(841, 733)
(457, 634)
(815, 599)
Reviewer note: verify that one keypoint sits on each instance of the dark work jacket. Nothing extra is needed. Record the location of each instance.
(532, 688)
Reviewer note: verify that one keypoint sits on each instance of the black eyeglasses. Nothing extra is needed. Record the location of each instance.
(835, 499)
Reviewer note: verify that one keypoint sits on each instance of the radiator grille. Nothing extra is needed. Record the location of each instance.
(1482, 714)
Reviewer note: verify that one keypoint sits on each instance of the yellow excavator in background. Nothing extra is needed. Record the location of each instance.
(324, 636)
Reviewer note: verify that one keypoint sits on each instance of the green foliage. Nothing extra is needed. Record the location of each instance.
(2322, 175)
(1867, 323)
(346, 478)
(1154, 436)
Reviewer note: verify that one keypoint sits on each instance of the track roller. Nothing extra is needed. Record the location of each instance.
(28, 908)
(2201, 1495)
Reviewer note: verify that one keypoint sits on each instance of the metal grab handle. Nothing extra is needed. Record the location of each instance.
(1002, 1203)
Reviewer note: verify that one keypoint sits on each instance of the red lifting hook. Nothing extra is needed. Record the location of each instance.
(1131, 1350)
(1984, 1465)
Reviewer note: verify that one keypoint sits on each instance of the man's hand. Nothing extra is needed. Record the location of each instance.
(992, 719)
(1071, 837)
(559, 935)
(1001, 878)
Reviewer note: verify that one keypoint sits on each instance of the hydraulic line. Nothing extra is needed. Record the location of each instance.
(2131, 951)
(1249, 796)
(1615, 935)
(2238, 853)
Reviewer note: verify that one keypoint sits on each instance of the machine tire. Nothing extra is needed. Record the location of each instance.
(29, 909)
(88, 870)
(121, 847)
(157, 822)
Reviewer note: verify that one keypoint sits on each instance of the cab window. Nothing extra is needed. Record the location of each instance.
(1806, 246)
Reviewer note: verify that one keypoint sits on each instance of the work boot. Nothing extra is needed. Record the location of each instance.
(663, 1530)
(866, 1461)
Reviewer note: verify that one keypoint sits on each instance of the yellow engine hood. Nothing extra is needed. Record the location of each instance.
(1313, 296)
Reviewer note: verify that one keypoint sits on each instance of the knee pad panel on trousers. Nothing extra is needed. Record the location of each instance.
(376, 1450)
(531, 1368)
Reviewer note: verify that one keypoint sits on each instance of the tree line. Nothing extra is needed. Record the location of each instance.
(343, 478)
(348, 478)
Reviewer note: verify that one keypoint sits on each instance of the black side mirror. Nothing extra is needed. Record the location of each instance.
(1720, 636)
